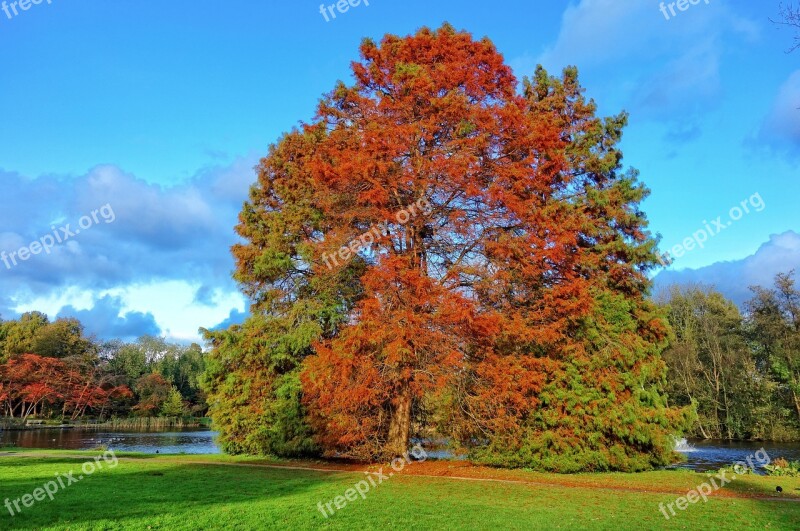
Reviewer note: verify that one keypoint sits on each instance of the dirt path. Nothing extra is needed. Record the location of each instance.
(430, 470)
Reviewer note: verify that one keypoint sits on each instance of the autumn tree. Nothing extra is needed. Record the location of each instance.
(90, 387)
(72, 386)
(87, 378)
(30, 383)
(152, 391)
(436, 247)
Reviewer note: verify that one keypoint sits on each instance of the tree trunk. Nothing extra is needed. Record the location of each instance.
(796, 403)
(400, 424)
(702, 431)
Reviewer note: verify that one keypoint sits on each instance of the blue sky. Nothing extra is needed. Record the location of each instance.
(161, 109)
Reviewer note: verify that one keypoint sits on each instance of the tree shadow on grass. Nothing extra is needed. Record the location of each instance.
(142, 493)
(764, 508)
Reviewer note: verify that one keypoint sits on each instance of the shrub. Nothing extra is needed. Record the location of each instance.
(782, 467)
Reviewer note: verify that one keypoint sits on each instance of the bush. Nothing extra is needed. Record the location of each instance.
(782, 467)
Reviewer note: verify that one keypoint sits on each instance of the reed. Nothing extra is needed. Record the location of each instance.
(7, 423)
(145, 423)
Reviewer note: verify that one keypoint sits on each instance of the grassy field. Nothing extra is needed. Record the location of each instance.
(221, 492)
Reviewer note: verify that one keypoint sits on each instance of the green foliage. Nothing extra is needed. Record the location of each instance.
(33, 333)
(173, 405)
(128, 360)
(252, 380)
(774, 331)
(740, 373)
(602, 409)
(63, 339)
(180, 366)
(18, 336)
(782, 467)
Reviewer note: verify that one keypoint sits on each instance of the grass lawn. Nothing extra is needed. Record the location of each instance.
(221, 492)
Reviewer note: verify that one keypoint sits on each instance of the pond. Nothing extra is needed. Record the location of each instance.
(700, 455)
(174, 441)
(705, 455)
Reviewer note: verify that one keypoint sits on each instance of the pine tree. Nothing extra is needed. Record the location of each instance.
(173, 405)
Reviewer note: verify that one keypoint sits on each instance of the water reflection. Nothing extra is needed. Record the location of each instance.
(189, 441)
(702, 455)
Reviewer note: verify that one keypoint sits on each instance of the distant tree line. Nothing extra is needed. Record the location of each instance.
(53, 370)
(740, 370)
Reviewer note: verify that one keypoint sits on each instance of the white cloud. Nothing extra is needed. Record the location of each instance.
(661, 68)
(164, 246)
(781, 127)
(595, 32)
(780, 254)
(175, 309)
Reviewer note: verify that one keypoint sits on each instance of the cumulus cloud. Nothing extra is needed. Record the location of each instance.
(595, 32)
(107, 320)
(157, 234)
(780, 254)
(236, 317)
(662, 68)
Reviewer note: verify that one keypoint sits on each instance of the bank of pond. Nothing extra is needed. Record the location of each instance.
(700, 455)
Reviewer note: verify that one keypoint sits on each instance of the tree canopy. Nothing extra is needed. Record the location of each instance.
(52, 369)
(489, 282)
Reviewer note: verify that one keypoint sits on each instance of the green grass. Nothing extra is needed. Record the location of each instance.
(169, 492)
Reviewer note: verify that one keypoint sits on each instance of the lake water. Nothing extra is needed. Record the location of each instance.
(700, 455)
(704, 455)
(189, 441)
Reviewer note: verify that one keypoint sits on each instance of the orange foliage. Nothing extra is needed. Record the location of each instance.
(476, 303)
(28, 381)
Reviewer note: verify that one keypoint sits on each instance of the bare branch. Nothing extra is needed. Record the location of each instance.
(790, 16)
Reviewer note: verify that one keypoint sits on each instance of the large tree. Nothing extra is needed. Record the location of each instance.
(458, 253)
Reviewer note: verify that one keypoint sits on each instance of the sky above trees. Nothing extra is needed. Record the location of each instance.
(162, 110)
